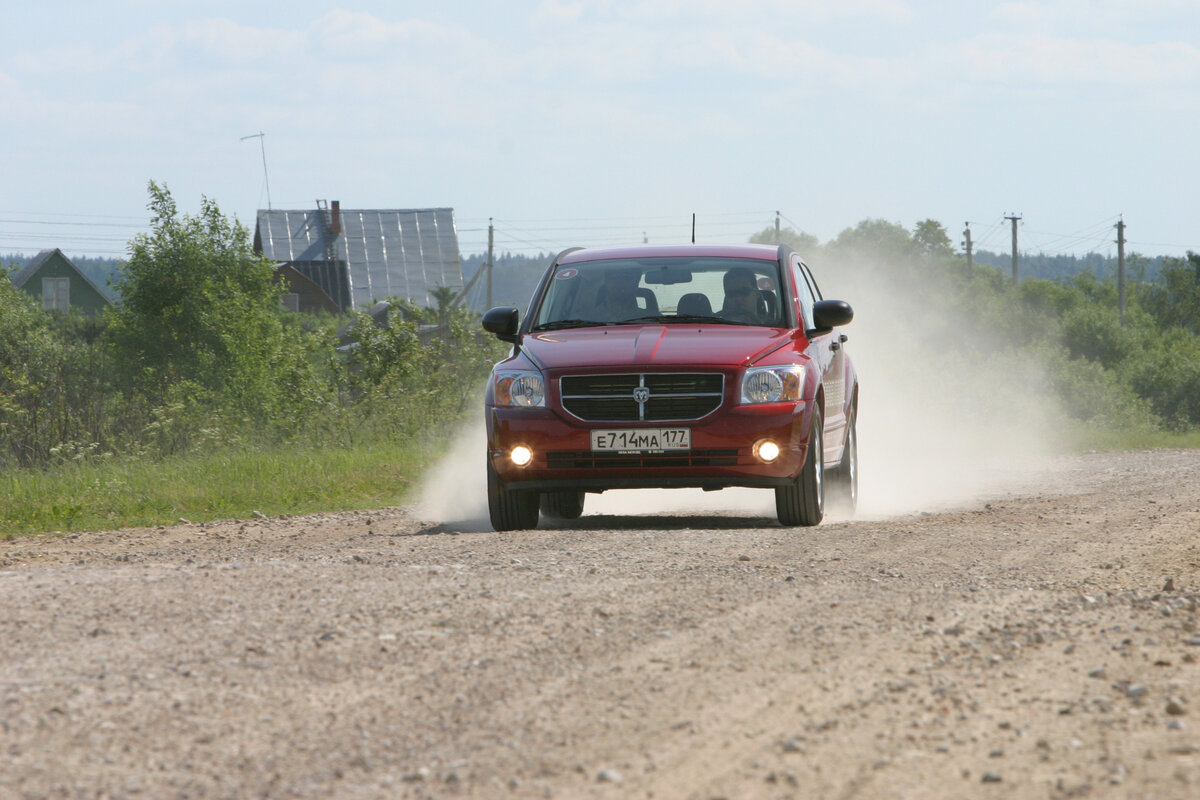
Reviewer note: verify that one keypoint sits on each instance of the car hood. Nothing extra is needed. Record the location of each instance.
(653, 346)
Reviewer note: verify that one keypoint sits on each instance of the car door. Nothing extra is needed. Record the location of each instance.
(826, 350)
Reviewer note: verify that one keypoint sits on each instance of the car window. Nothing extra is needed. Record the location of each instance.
(732, 290)
(806, 294)
(812, 282)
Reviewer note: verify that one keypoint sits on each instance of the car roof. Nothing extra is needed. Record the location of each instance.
(764, 252)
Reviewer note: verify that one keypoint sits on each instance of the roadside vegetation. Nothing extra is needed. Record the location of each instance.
(1113, 382)
(198, 398)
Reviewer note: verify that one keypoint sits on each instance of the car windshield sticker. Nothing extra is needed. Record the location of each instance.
(567, 273)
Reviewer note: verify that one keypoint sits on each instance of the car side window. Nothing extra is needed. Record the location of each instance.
(812, 282)
(806, 296)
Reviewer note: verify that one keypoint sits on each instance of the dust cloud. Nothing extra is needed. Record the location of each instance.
(948, 416)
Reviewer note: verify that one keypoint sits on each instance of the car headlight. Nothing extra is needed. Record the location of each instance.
(772, 384)
(520, 389)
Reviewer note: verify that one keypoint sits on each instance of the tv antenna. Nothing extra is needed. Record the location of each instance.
(261, 137)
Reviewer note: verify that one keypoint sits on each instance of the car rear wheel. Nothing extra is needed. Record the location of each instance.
(510, 509)
(802, 502)
(562, 505)
(843, 480)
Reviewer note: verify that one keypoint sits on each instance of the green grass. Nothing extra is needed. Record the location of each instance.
(227, 485)
(1085, 438)
(285, 480)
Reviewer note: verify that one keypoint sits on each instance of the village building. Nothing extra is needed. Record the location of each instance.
(60, 285)
(342, 260)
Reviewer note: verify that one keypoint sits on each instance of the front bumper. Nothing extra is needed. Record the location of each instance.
(721, 454)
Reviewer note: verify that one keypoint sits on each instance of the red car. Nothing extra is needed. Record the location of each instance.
(672, 366)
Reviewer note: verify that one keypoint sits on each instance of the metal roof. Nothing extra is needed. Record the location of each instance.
(382, 253)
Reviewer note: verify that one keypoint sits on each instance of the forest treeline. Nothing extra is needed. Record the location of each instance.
(515, 274)
(199, 355)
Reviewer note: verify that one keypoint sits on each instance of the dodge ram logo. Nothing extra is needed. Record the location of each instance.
(641, 394)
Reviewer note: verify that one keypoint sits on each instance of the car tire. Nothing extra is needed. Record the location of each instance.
(843, 480)
(562, 505)
(802, 502)
(510, 509)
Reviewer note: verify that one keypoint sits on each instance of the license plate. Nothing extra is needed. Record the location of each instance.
(641, 439)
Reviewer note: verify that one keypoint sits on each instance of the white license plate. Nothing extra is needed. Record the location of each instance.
(641, 439)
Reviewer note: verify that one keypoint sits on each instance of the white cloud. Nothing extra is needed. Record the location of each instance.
(362, 34)
(1046, 61)
(230, 42)
(1091, 15)
(763, 13)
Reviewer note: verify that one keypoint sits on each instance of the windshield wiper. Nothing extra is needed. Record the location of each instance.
(667, 319)
(559, 324)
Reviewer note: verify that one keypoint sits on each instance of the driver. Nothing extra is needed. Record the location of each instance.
(741, 297)
(616, 299)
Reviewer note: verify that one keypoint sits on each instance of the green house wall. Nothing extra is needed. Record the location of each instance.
(82, 294)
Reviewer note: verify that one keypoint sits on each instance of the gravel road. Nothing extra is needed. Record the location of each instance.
(1038, 642)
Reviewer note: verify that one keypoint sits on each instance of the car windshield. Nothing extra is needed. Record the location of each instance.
(731, 291)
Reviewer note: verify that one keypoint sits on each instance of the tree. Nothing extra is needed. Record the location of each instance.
(930, 237)
(803, 243)
(875, 237)
(201, 317)
(1175, 300)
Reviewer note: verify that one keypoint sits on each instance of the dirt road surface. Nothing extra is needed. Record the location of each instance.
(1040, 642)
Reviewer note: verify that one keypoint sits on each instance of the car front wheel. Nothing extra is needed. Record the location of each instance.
(802, 502)
(510, 509)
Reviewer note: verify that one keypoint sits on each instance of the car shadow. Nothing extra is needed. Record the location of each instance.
(608, 522)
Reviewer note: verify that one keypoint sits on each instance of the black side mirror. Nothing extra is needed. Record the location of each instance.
(504, 322)
(829, 314)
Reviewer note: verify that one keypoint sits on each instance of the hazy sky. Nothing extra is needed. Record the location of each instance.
(598, 121)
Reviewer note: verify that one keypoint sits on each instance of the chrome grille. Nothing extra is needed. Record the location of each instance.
(664, 396)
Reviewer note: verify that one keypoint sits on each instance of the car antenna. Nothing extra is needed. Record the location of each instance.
(693, 227)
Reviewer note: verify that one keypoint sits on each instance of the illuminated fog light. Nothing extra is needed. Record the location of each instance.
(766, 450)
(521, 455)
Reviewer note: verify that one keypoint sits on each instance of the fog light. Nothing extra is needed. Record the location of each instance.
(521, 455)
(766, 451)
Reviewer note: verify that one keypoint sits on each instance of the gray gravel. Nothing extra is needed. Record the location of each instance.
(1038, 643)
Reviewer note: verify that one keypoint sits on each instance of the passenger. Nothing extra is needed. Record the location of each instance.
(742, 299)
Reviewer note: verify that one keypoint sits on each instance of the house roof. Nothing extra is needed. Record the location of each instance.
(29, 270)
(392, 252)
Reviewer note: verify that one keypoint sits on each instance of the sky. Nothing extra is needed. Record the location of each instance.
(602, 122)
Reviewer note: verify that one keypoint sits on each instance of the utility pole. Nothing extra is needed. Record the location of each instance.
(261, 138)
(777, 239)
(1121, 267)
(1014, 218)
(490, 261)
(970, 251)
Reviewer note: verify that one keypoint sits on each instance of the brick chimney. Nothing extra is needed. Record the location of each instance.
(335, 218)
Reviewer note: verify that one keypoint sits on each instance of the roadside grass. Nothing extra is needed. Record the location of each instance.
(234, 484)
(1084, 438)
(200, 488)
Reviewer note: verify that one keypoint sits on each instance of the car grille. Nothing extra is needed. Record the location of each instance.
(668, 397)
(583, 459)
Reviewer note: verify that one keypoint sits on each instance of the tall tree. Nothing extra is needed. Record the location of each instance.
(201, 311)
(930, 236)
(803, 243)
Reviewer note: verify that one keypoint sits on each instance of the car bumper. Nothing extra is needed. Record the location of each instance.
(721, 454)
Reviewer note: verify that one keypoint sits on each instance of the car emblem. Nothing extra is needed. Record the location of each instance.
(641, 394)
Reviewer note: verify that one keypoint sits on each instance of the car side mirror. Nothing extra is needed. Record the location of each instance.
(504, 322)
(829, 314)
